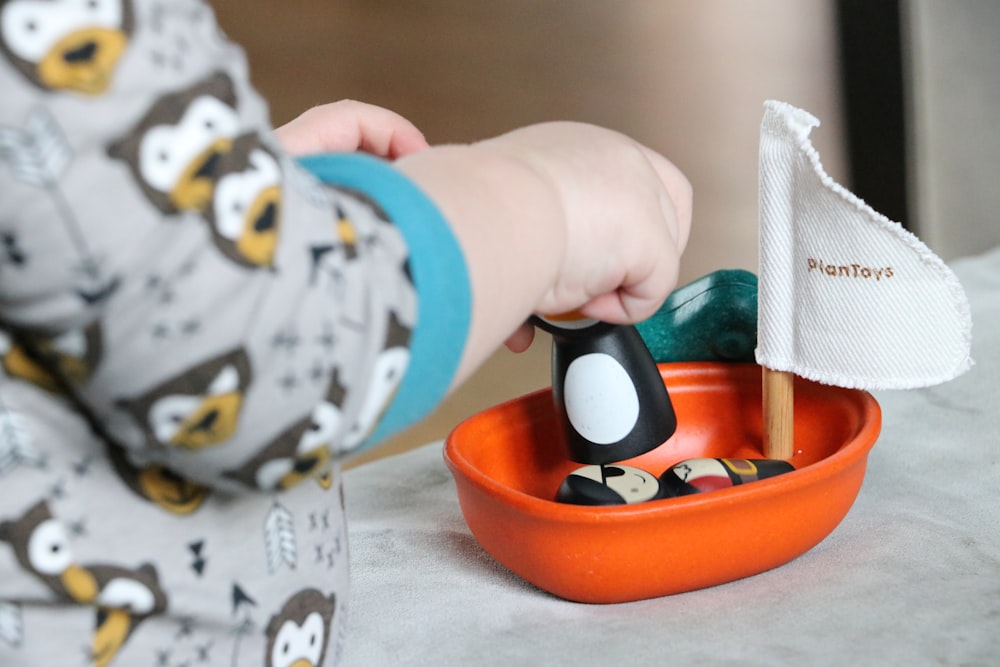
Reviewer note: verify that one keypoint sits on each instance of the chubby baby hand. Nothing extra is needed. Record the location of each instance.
(627, 216)
(558, 217)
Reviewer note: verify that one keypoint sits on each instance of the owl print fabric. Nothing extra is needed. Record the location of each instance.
(194, 330)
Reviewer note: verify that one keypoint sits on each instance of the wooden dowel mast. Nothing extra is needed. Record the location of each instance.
(779, 413)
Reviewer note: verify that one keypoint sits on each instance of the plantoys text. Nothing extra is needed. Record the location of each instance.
(849, 270)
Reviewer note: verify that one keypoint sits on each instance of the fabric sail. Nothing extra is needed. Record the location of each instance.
(846, 296)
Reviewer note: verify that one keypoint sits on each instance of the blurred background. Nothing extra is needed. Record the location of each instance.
(907, 92)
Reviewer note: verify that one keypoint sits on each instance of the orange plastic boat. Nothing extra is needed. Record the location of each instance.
(509, 460)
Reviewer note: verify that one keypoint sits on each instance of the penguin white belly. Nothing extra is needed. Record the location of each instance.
(601, 401)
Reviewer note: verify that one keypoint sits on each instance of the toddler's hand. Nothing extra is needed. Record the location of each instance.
(348, 126)
(558, 217)
(627, 212)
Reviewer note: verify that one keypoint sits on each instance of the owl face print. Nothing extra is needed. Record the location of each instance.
(175, 151)
(298, 635)
(302, 451)
(66, 44)
(245, 212)
(198, 408)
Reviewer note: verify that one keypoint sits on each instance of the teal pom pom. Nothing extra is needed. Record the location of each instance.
(713, 318)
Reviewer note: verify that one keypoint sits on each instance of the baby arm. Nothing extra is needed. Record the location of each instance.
(556, 217)
(611, 213)
(615, 205)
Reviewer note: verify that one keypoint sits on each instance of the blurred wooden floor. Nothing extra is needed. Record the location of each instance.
(686, 77)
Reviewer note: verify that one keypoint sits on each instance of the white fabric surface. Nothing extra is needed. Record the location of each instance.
(847, 297)
(910, 577)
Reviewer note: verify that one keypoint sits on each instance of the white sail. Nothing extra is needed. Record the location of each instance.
(846, 296)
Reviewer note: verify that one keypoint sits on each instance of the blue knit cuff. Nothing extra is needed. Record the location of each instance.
(439, 273)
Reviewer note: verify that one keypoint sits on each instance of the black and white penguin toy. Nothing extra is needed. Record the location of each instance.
(607, 390)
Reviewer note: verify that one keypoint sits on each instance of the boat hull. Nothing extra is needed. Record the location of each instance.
(509, 461)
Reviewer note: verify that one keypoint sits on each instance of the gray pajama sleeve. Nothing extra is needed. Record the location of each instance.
(194, 330)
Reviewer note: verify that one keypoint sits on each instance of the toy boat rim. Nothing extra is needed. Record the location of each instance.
(815, 473)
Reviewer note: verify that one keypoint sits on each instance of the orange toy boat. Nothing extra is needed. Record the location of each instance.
(885, 314)
(508, 462)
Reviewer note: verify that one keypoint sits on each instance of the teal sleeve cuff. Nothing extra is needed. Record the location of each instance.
(444, 296)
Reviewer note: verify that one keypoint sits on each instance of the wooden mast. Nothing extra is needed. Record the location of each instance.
(778, 413)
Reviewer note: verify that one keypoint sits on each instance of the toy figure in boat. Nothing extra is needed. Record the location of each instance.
(612, 484)
(701, 475)
(608, 484)
(607, 390)
(614, 406)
